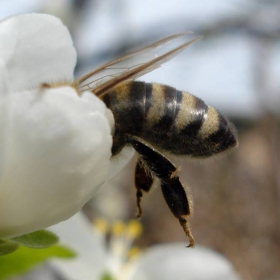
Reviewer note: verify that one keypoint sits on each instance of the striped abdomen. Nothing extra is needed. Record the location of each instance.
(169, 120)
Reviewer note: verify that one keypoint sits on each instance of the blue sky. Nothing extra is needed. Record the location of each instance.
(220, 71)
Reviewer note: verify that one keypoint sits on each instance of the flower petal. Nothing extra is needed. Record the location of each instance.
(119, 161)
(58, 155)
(4, 112)
(36, 48)
(88, 243)
(174, 261)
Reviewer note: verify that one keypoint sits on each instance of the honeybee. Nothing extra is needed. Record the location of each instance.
(157, 120)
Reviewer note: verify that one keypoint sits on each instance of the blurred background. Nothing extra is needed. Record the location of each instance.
(236, 69)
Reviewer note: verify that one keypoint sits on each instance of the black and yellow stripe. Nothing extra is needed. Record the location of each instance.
(170, 120)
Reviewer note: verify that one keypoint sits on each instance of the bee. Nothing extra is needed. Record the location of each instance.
(157, 120)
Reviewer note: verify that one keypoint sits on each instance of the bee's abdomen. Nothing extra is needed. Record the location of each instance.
(173, 112)
(184, 125)
(168, 119)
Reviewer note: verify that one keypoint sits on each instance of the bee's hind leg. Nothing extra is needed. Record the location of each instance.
(143, 182)
(172, 189)
(177, 201)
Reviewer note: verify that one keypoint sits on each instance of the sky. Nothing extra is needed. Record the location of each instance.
(220, 71)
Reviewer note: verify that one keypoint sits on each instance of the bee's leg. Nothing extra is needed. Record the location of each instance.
(177, 201)
(172, 189)
(143, 182)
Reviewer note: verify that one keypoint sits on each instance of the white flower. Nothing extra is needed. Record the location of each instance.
(55, 146)
(161, 262)
(174, 261)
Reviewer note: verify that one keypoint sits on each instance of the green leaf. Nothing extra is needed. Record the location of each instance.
(37, 239)
(25, 259)
(107, 276)
(7, 247)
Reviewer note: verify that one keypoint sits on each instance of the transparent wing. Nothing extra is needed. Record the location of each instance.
(130, 67)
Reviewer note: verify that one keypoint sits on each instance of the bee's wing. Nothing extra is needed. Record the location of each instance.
(129, 67)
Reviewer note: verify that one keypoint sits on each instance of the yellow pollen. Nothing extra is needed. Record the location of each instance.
(118, 228)
(134, 229)
(101, 225)
(134, 253)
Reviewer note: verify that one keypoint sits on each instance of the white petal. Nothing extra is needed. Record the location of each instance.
(89, 245)
(4, 112)
(58, 156)
(176, 262)
(36, 48)
(119, 161)
(99, 106)
(8, 35)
